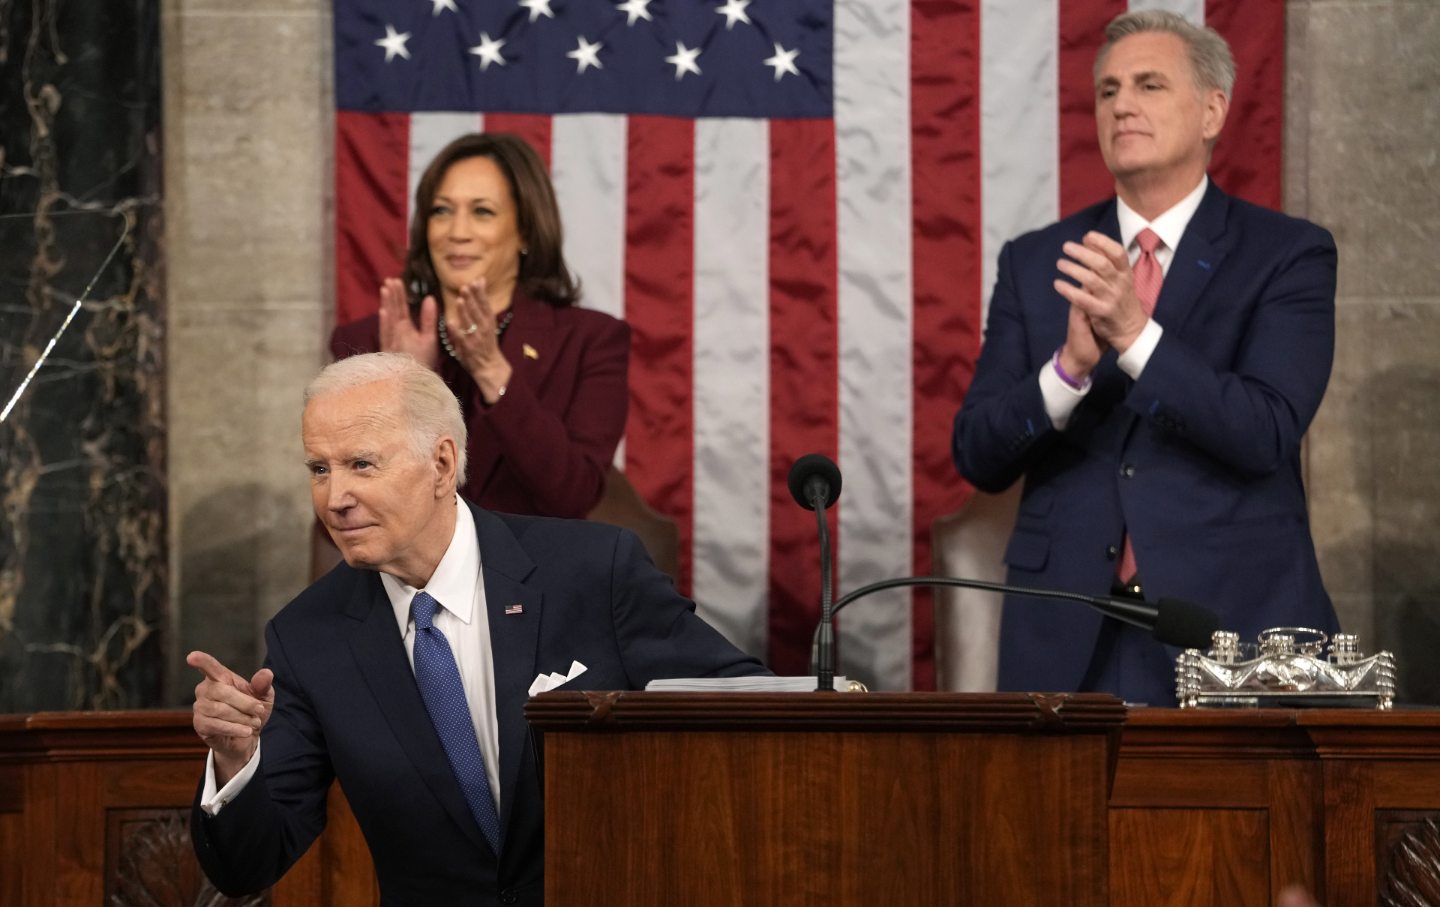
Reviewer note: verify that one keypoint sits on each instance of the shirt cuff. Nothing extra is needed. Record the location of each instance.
(1132, 361)
(211, 800)
(1060, 398)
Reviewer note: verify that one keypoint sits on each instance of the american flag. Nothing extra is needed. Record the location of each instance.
(797, 206)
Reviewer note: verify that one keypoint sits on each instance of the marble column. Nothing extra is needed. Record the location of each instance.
(83, 547)
(248, 192)
(1364, 122)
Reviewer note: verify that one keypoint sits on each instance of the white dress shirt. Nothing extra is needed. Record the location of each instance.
(458, 585)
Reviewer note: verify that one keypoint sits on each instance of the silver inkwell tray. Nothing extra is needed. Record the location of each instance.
(1291, 667)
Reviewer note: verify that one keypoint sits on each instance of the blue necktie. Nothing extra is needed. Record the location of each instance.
(439, 681)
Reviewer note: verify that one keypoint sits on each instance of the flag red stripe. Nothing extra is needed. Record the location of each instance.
(1083, 177)
(371, 156)
(1249, 159)
(532, 127)
(947, 250)
(659, 289)
(804, 393)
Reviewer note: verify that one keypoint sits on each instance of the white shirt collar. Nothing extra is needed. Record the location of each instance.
(1169, 226)
(455, 579)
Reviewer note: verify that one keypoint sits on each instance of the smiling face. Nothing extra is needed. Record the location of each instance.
(387, 506)
(1155, 124)
(473, 230)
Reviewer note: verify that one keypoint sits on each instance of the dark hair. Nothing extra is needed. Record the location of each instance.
(542, 271)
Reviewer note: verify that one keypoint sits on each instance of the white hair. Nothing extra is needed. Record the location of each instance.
(429, 405)
(1210, 57)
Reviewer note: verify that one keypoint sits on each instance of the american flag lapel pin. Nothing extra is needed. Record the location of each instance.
(516, 608)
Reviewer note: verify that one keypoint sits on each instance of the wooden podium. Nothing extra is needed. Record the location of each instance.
(773, 798)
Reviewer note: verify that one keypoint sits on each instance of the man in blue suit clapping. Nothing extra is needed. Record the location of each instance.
(1150, 366)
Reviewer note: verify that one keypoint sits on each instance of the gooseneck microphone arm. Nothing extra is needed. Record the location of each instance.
(988, 587)
(1172, 621)
(814, 483)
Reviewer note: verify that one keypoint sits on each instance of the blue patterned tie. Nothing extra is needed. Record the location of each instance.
(440, 687)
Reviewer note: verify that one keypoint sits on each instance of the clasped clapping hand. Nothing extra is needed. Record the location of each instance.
(470, 325)
(1103, 289)
(398, 331)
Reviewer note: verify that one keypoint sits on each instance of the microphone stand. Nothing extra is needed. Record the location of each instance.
(825, 645)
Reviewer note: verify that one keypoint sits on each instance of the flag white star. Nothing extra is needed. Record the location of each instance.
(734, 11)
(538, 8)
(394, 43)
(488, 50)
(783, 62)
(684, 60)
(635, 9)
(443, 4)
(586, 55)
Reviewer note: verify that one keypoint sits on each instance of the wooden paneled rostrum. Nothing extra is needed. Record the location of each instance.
(845, 799)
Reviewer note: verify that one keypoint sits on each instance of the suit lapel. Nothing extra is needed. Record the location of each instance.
(514, 611)
(1202, 251)
(380, 654)
(533, 341)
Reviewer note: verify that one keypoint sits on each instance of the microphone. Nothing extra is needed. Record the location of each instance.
(814, 478)
(1171, 621)
(815, 484)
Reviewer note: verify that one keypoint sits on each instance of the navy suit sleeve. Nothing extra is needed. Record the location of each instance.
(1002, 427)
(657, 631)
(1251, 416)
(260, 834)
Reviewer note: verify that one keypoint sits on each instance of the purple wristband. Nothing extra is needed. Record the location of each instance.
(1069, 381)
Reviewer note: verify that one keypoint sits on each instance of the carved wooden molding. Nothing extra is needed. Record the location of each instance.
(149, 862)
(1411, 875)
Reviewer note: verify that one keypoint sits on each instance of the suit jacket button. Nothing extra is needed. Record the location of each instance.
(508, 896)
(1128, 470)
(1112, 552)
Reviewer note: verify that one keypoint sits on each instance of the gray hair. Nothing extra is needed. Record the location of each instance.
(428, 404)
(1210, 57)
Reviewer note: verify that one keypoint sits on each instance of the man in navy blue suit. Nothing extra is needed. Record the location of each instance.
(1150, 366)
(341, 696)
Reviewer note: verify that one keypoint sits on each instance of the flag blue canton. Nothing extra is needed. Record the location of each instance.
(776, 65)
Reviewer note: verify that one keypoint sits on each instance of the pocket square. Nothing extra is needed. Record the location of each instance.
(543, 681)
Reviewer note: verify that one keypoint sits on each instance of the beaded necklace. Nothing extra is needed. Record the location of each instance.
(499, 332)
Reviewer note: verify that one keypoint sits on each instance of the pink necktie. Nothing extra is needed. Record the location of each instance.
(1148, 277)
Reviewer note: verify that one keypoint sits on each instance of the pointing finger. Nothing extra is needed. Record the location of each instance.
(207, 664)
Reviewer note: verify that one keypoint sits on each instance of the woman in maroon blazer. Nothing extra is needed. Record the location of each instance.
(487, 301)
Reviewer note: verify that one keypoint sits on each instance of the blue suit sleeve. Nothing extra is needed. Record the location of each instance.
(657, 631)
(1002, 427)
(260, 834)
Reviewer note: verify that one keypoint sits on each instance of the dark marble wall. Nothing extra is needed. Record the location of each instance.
(82, 455)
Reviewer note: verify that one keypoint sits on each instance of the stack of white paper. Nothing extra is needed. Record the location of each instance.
(741, 685)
